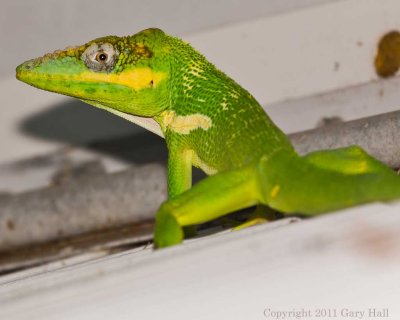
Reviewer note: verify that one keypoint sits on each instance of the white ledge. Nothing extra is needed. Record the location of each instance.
(349, 260)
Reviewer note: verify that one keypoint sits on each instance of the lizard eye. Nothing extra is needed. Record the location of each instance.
(100, 57)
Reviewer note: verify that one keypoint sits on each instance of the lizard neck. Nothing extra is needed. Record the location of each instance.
(214, 116)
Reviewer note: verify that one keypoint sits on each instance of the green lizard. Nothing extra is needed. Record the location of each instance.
(210, 122)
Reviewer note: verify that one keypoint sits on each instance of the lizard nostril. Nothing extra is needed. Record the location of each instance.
(28, 65)
(25, 68)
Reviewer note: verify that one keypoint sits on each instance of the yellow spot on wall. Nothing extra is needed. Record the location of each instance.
(185, 124)
(136, 79)
(275, 190)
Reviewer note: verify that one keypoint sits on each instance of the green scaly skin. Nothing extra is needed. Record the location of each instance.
(211, 122)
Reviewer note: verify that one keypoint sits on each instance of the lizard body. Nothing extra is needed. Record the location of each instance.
(211, 122)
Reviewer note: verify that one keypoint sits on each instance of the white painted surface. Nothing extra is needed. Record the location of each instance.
(302, 53)
(32, 28)
(15, 108)
(349, 260)
(349, 103)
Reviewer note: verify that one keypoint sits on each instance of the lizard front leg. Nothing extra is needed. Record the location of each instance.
(209, 199)
(179, 171)
(180, 177)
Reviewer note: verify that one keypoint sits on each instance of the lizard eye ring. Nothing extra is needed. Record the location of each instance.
(100, 57)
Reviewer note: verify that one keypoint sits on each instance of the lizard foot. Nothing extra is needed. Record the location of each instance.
(167, 232)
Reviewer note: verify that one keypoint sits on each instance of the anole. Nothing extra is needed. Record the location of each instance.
(208, 121)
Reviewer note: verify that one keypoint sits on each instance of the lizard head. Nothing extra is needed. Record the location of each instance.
(127, 74)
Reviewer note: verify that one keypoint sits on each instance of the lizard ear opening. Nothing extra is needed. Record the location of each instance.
(100, 57)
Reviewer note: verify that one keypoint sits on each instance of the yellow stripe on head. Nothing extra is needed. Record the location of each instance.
(137, 79)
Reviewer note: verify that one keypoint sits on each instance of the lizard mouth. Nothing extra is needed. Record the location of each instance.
(75, 81)
(86, 83)
(135, 79)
